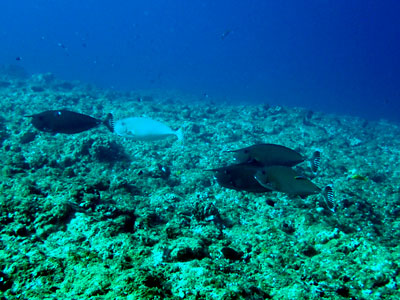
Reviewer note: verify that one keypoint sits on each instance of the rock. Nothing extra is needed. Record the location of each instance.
(37, 89)
(173, 231)
(5, 282)
(205, 211)
(28, 137)
(232, 254)
(186, 249)
(4, 84)
(309, 251)
(107, 151)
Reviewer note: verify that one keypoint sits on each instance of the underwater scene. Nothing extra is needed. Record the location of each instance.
(199, 150)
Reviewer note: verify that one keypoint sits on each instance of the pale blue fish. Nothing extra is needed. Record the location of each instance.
(144, 129)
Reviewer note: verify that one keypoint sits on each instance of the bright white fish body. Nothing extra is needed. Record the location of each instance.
(144, 129)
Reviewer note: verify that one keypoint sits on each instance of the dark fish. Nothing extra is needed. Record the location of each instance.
(239, 177)
(62, 45)
(65, 121)
(268, 155)
(225, 34)
(286, 180)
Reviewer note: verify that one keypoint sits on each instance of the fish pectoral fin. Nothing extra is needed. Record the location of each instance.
(268, 185)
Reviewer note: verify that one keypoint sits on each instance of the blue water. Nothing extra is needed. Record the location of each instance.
(333, 56)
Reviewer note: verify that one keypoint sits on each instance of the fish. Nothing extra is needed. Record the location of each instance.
(225, 34)
(239, 177)
(286, 180)
(358, 177)
(145, 129)
(62, 45)
(69, 122)
(268, 155)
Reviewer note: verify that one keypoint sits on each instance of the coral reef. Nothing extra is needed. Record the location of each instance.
(96, 216)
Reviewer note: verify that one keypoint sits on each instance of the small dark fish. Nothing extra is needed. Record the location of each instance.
(62, 45)
(239, 177)
(225, 34)
(286, 180)
(315, 161)
(268, 155)
(18, 58)
(65, 121)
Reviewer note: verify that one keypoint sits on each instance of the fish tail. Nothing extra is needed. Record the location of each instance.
(109, 122)
(315, 161)
(179, 134)
(329, 197)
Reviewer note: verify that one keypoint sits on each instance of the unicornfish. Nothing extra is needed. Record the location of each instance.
(240, 177)
(65, 121)
(144, 129)
(286, 180)
(268, 155)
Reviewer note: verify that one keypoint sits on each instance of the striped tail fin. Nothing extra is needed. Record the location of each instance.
(329, 197)
(315, 161)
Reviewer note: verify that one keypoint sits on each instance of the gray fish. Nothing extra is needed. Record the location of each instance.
(65, 121)
(239, 177)
(145, 129)
(268, 155)
(286, 180)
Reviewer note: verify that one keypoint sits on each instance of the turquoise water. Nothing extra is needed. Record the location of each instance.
(334, 57)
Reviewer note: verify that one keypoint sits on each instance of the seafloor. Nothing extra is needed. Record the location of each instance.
(96, 216)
